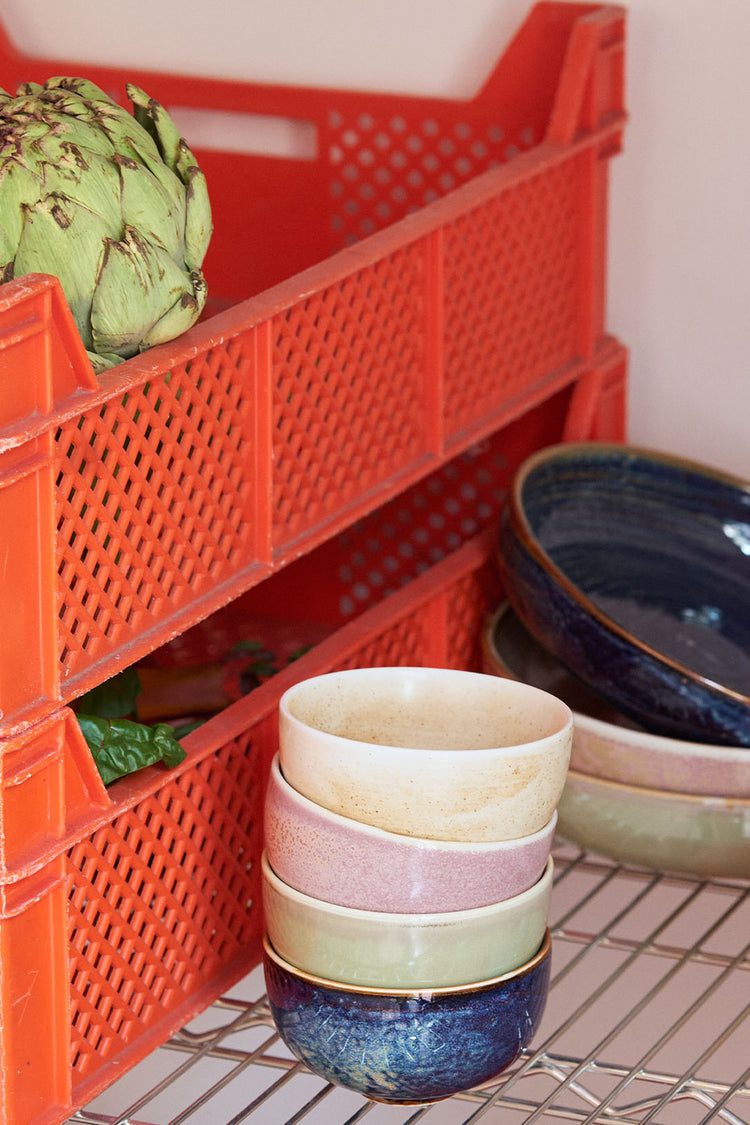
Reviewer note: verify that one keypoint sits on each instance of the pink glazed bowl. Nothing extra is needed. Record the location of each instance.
(349, 863)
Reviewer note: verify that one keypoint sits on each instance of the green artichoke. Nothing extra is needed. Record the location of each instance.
(111, 203)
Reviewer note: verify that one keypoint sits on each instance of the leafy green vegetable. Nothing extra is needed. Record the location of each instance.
(115, 698)
(121, 746)
(107, 716)
(263, 665)
(186, 728)
(112, 203)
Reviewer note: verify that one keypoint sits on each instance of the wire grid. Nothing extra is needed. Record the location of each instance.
(648, 1021)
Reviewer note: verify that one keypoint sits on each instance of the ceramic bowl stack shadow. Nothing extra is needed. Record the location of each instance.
(627, 574)
(407, 875)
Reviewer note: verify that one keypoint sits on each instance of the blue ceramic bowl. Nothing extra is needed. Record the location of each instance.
(407, 1047)
(633, 569)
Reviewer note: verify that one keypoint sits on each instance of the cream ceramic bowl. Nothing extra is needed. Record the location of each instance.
(676, 832)
(388, 950)
(349, 863)
(430, 752)
(605, 744)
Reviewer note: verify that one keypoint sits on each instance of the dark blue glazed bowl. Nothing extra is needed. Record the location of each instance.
(633, 568)
(407, 1047)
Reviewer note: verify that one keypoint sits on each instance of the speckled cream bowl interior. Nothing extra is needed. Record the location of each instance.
(431, 752)
(390, 950)
(345, 861)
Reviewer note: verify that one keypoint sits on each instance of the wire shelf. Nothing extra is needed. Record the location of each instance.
(648, 1021)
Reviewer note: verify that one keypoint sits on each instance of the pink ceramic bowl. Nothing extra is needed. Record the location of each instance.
(350, 863)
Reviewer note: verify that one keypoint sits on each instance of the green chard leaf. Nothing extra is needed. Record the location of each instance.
(121, 746)
(115, 698)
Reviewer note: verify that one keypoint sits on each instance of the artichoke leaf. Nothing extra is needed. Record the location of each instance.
(155, 120)
(185, 161)
(85, 136)
(69, 97)
(138, 284)
(102, 362)
(65, 240)
(29, 89)
(198, 225)
(35, 130)
(19, 187)
(181, 316)
(90, 181)
(148, 206)
(177, 155)
(84, 88)
(140, 149)
(65, 108)
(7, 250)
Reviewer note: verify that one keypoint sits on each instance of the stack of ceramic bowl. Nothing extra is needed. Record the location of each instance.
(631, 794)
(407, 875)
(628, 574)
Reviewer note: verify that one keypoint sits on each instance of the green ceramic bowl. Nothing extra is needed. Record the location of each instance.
(708, 836)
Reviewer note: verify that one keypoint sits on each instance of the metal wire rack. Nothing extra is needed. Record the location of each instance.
(648, 1021)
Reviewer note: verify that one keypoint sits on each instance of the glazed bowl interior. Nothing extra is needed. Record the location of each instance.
(390, 1044)
(509, 649)
(633, 568)
(606, 743)
(418, 709)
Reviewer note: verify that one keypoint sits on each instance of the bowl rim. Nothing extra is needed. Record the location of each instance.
(388, 752)
(521, 526)
(642, 739)
(544, 951)
(363, 828)
(404, 921)
(668, 796)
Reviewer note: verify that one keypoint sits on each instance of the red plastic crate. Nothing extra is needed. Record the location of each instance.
(285, 465)
(153, 908)
(123, 912)
(432, 271)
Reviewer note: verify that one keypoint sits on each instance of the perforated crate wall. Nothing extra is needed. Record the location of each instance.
(437, 306)
(150, 912)
(144, 500)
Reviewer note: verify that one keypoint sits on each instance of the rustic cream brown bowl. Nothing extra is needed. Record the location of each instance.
(430, 752)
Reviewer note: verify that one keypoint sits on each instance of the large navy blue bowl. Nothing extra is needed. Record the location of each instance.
(407, 1047)
(633, 568)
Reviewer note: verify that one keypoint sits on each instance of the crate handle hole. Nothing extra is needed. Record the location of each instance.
(251, 133)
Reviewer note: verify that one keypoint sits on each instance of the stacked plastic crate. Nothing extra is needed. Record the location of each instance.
(428, 309)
